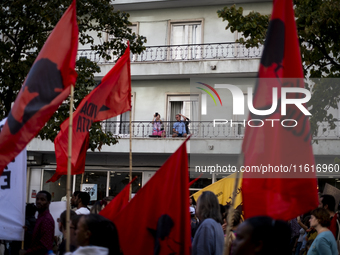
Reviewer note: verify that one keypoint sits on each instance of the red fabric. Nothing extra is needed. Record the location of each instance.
(118, 203)
(279, 195)
(109, 99)
(334, 226)
(163, 201)
(193, 181)
(46, 86)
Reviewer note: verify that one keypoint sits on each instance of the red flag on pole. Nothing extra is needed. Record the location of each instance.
(162, 206)
(46, 86)
(283, 152)
(109, 99)
(118, 203)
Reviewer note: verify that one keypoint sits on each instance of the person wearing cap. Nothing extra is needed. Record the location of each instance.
(194, 221)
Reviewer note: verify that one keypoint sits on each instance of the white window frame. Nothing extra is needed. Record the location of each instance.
(118, 118)
(189, 52)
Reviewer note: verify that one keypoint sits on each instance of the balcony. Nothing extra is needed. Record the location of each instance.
(188, 52)
(206, 139)
(201, 129)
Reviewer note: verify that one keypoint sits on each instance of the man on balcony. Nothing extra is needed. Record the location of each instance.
(179, 129)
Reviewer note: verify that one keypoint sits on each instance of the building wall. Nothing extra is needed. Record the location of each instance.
(214, 29)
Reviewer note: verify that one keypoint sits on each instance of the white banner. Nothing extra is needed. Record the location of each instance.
(13, 198)
(56, 208)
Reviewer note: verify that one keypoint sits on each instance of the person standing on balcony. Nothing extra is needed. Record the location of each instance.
(179, 129)
(186, 123)
(157, 126)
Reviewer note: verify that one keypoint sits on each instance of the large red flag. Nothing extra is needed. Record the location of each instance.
(118, 203)
(109, 99)
(162, 222)
(46, 86)
(274, 147)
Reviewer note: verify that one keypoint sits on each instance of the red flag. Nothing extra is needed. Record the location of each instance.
(162, 206)
(118, 203)
(278, 194)
(193, 181)
(109, 99)
(46, 86)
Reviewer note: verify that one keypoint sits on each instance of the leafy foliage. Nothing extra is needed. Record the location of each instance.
(24, 28)
(318, 27)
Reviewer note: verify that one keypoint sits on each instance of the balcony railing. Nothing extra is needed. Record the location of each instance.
(200, 129)
(230, 50)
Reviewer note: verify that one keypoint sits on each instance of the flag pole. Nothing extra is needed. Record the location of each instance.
(231, 209)
(82, 179)
(68, 183)
(130, 156)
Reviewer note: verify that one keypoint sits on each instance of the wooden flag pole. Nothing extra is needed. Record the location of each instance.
(130, 157)
(68, 183)
(230, 216)
(231, 208)
(82, 179)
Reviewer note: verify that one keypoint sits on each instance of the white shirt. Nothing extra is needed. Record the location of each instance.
(82, 210)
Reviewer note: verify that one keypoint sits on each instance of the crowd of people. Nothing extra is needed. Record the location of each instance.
(315, 233)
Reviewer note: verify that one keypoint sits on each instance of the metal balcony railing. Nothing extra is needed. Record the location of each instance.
(187, 52)
(200, 129)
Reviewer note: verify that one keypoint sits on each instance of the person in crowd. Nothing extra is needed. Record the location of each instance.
(157, 125)
(30, 221)
(107, 200)
(96, 235)
(222, 211)
(193, 221)
(299, 241)
(179, 127)
(43, 233)
(328, 202)
(100, 204)
(262, 236)
(236, 220)
(74, 200)
(83, 199)
(97, 207)
(192, 202)
(305, 226)
(62, 228)
(209, 238)
(73, 227)
(295, 232)
(324, 243)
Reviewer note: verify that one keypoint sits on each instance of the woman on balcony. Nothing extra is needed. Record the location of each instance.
(157, 126)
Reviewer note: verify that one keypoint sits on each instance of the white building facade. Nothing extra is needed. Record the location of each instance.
(187, 45)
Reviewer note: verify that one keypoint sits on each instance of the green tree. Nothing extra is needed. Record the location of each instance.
(24, 28)
(318, 27)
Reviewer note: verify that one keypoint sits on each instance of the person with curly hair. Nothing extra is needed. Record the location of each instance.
(324, 243)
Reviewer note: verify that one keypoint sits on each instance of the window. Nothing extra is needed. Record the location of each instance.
(120, 124)
(134, 29)
(185, 104)
(95, 179)
(185, 33)
(118, 181)
(239, 129)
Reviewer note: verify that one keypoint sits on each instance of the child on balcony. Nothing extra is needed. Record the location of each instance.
(157, 126)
